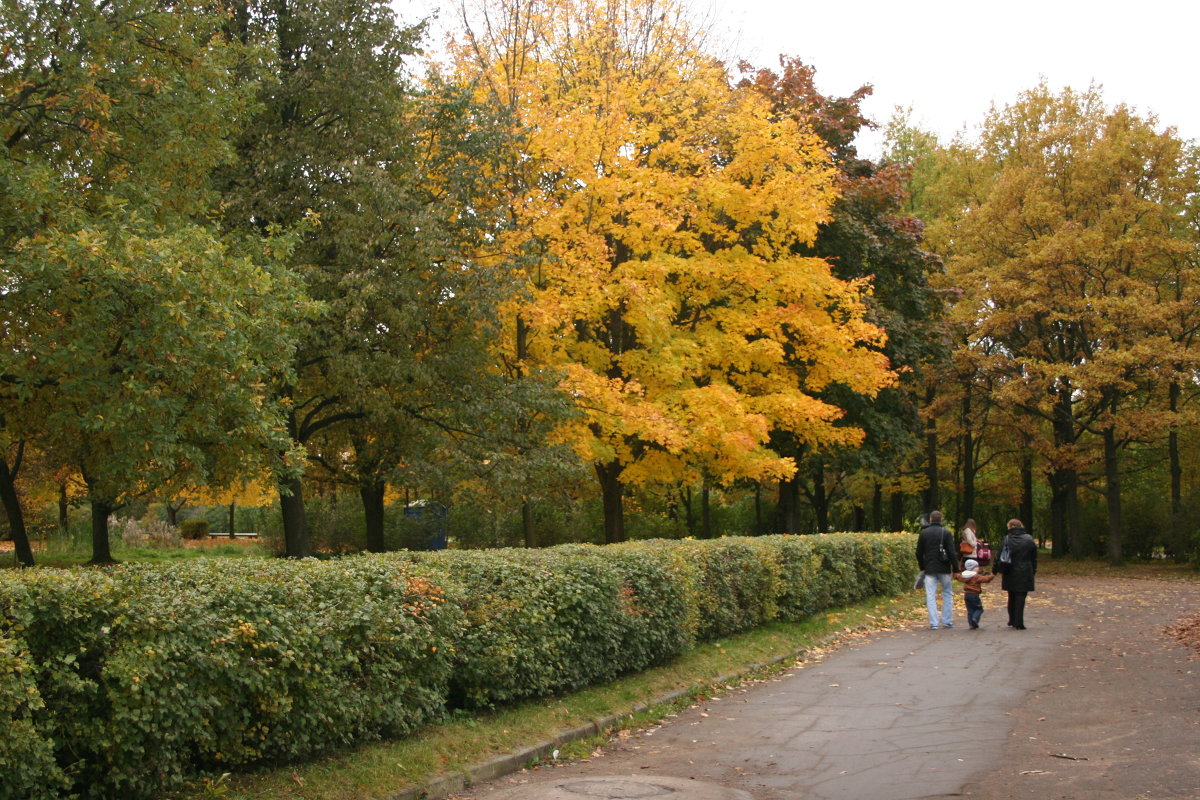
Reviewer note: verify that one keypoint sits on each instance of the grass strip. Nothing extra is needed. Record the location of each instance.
(384, 770)
(1158, 569)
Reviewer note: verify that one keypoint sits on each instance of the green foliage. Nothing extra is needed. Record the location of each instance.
(140, 338)
(542, 621)
(134, 680)
(398, 180)
(26, 756)
(737, 583)
(150, 674)
(194, 528)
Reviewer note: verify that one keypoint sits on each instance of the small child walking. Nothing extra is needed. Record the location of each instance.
(973, 579)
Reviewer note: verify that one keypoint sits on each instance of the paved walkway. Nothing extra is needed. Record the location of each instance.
(1092, 701)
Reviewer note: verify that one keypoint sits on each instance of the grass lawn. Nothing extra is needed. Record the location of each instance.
(76, 553)
(1158, 569)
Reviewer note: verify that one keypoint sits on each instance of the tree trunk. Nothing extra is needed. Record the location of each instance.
(860, 518)
(877, 508)
(372, 493)
(789, 503)
(1112, 492)
(1064, 512)
(933, 496)
(1058, 515)
(1064, 480)
(101, 511)
(690, 514)
(705, 514)
(1026, 508)
(1072, 486)
(295, 526)
(896, 517)
(1173, 454)
(15, 514)
(612, 490)
(527, 529)
(64, 520)
(820, 497)
(232, 516)
(966, 509)
(758, 529)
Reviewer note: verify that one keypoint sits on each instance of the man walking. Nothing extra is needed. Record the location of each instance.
(936, 556)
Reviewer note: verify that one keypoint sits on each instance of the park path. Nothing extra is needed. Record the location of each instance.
(1093, 701)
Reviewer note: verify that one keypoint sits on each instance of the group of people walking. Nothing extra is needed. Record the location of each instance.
(941, 563)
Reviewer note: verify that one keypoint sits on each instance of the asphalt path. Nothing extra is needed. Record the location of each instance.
(1092, 701)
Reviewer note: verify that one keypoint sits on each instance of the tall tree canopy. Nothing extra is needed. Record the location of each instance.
(138, 339)
(869, 236)
(394, 179)
(1070, 264)
(666, 206)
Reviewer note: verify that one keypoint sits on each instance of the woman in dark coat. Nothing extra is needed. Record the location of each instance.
(1017, 575)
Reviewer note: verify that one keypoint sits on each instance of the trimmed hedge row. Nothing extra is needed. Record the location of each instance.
(130, 682)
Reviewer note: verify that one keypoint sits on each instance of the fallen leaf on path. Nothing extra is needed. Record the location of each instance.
(1187, 631)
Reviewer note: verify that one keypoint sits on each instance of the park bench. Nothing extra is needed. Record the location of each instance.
(224, 535)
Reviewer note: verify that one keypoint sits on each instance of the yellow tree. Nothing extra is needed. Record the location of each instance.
(1071, 264)
(665, 208)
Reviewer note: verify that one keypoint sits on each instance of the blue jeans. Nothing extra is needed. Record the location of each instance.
(931, 584)
(974, 608)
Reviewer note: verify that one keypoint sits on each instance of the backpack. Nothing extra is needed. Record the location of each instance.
(1005, 556)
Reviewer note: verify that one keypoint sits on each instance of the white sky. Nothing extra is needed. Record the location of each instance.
(950, 60)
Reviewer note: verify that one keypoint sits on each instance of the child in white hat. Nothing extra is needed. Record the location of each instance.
(973, 579)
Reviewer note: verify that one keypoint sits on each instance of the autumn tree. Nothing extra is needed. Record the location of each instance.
(870, 236)
(666, 207)
(1063, 262)
(1179, 294)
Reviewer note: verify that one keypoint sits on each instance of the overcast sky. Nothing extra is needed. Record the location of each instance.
(949, 60)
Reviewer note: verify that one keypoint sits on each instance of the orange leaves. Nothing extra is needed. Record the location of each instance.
(1187, 631)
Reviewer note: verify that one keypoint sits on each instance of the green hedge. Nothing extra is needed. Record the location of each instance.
(537, 622)
(132, 681)
(151, 675)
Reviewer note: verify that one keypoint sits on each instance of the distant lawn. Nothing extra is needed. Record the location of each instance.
(76, 553)
(1158, 569)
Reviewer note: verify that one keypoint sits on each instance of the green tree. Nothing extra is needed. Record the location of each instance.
(398, 178)
(138, 340)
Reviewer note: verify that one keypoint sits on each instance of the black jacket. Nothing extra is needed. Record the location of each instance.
(1017, 575)
(929, 556)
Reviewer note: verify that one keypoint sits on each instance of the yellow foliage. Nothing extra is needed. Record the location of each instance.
(260, 492)
(667, 206)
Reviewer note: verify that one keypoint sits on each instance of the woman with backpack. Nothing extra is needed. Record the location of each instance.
(1017, 565)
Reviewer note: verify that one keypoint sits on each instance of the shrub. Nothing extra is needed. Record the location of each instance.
(145, 533)
(26, 757)
(150, 674)
(537, 622)
(193, 529)
(128, 682)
